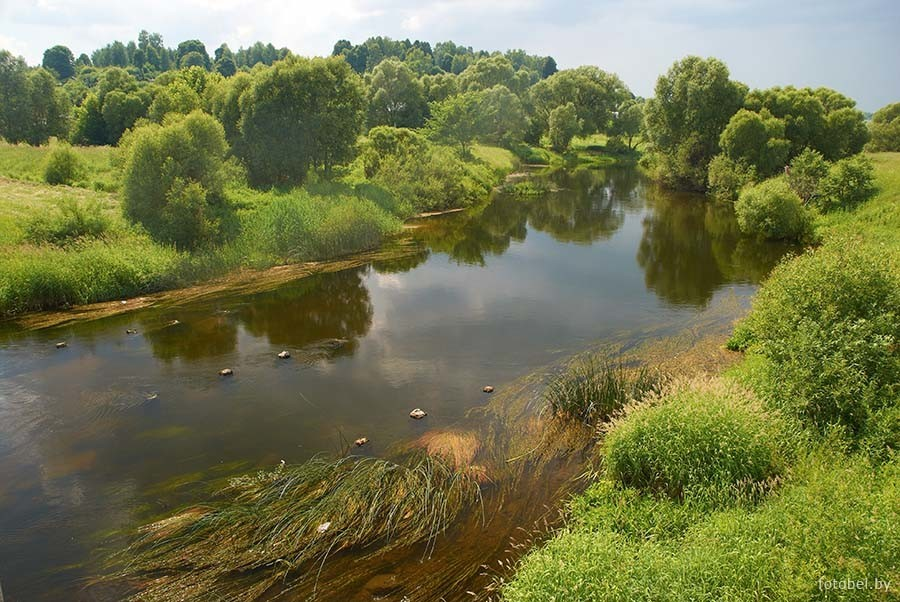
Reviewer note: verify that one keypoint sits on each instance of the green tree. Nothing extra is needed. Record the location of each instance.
(694, 101)
(439, 87)
(771, 210)
(15, 98)
(501, 117)
(177, 97)
(192, 53)
(49, 108)
(456, 120)
(849, 182)
(757, 140)
(486, 73)
(173, 182)
(299, 114)
(885, 129)
(564, 124)
(60, 61)
(628, 121)
(396, 96)
(807, 170)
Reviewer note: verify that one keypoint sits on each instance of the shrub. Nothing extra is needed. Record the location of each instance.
(727, 177)
(806, 173)
(63, 166)
(849, 182)
(564, 124)
(73, 221)
(705, 441)
(828, 324)
(771, 210)
(885, 129)
(180, 162)
(591, 391)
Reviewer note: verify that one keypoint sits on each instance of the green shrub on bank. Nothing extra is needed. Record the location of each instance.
(836, 518)
(727, 178)
(828, 324)
(63, 166)
(705, 441)
(73, 221)
(771, 210)
(807, 170)
(849, 182)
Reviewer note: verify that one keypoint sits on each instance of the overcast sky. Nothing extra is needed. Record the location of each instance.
(850, 45)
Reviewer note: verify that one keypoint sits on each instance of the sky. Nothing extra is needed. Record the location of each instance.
(852, 46)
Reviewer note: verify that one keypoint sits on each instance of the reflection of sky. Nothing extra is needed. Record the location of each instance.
(83, 449)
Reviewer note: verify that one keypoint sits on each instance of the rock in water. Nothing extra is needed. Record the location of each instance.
(488, 389)
(324, 527)
(226, 372)
(361, 441)
(418, 414)
(61, 344)
(284, 355)
(131, 331)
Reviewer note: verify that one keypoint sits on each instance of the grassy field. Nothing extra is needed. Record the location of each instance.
(70, 245)
(696, 499)
(26, 163)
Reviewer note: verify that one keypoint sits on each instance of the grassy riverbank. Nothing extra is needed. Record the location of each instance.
(63, 246)
(777, 479)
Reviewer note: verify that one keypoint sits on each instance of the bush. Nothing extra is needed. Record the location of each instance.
(564, 124)
(771, 210)
(849, 182)
(63, 166)
(591, 391)
(828, 324)
(73, 221)
(806, 173)
(727, 177)
(885, 129)
(180, 164)
(704, 441)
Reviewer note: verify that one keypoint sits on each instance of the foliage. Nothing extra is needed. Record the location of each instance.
(771, 210)
(693, 104)
(396, 96)
(827, 323)
(885, 129)
(849, 182)
(628, 121)
(32, 106)
(456, 120)
(704, 441)
(301, 113)
(591, 392)
(807, 170)
(727, 177)
(63, 166)
(177, 97)
(756, 140)
(173, 180)
(564, 124)
(60, 61)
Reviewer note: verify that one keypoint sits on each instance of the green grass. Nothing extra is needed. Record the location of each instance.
(24, 162)
(500, 160)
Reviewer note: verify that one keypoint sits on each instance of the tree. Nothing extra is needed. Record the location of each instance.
(173, 182)
(807, 170)
(693, 103)
(192, 53)
(48, 108)
(486, 73)
(628, 121)
(226, 66)
(456, 120)
(548, 68)
(564, 124)
(771, 210)
(299, 114)
(396, 96)
(60, 61)
(885, 129)
(15, 99)
(756, 140)
(845, 132)
(177, 97)
(502, 120)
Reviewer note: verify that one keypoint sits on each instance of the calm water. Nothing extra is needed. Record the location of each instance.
(118, 428)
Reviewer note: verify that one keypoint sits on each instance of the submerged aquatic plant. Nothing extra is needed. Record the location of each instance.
(281, 526)
(591, 391)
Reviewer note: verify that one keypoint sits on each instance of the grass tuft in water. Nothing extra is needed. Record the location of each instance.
(591, 391)
(281, 526)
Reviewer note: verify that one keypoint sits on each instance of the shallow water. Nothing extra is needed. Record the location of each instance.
(116, 428)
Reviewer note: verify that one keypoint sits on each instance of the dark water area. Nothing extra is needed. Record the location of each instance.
(119, 428)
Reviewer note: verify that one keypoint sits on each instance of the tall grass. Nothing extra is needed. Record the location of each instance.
(592, 390)
(25, 162)
(281, 526)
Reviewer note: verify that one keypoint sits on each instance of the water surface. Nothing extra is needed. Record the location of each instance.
(119, 428)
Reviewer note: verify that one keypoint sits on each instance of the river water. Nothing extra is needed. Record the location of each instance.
(120, 427)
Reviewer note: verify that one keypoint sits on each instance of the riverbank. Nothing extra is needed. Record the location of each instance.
(818, 382)
(64, 247)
